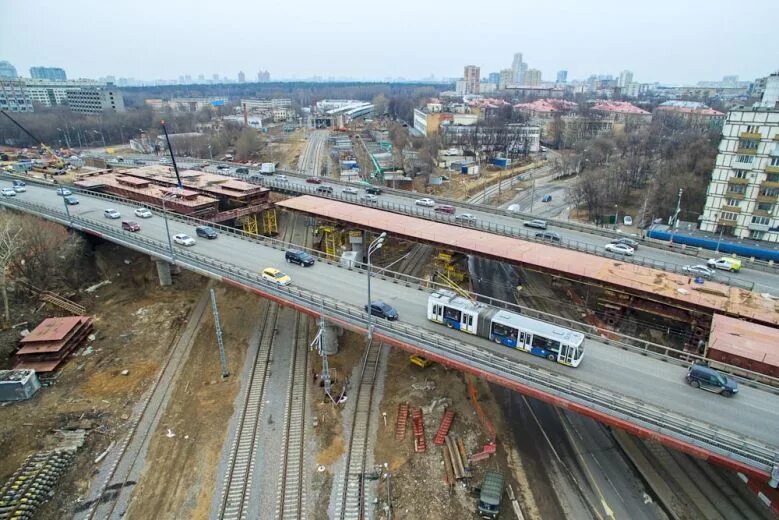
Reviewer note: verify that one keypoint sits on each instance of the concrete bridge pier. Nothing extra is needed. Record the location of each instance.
(164, 272)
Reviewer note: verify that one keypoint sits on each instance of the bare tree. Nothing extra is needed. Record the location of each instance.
(10, 245)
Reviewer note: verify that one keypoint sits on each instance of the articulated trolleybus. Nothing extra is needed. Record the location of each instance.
(512, 330)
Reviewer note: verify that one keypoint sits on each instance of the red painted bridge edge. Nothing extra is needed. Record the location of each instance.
(634, 429)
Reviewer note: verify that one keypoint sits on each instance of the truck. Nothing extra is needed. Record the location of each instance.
(268, 167)
(490, 495)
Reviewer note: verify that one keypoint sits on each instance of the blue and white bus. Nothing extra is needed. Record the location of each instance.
(512, 330)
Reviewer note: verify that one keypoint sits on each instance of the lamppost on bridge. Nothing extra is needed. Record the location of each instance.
(169, 196)
(372, 248)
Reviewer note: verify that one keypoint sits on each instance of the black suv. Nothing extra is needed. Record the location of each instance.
(206, 232)
(294, 256)
(374, 190)
(701, 376)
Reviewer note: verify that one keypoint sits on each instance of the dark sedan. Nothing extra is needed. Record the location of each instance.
(383, 310)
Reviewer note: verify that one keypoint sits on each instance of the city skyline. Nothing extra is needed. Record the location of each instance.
(664, 47)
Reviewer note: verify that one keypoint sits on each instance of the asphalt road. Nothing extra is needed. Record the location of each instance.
(763, 281)
(753, 413)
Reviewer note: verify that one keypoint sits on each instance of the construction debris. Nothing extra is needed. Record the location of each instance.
(50, 343)
(443, 429)
(420, 446)
(33, 483)
(400, 423)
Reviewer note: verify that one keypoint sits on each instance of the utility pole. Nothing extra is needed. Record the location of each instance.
(532, 191)
(676, 215)
(219, 342)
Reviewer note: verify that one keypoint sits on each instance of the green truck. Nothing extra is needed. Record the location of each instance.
(491, 493)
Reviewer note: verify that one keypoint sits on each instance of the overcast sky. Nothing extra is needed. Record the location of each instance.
(660, 40)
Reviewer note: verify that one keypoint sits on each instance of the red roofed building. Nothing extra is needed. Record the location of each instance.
(546, 108)
(692, 113)
(622, 112)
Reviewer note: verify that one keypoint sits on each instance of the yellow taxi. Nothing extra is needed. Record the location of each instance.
(273, 275)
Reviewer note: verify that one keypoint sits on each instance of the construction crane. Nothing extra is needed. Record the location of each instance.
(57, 160)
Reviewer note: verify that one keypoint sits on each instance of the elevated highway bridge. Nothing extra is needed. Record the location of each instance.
(638, 390)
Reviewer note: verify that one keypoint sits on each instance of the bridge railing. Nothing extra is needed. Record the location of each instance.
(657, 419)
(612, 338)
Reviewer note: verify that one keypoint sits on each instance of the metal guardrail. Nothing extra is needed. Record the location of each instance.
(625, 342)
(660, 420)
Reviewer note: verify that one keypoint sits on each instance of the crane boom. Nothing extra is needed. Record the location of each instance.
(58, 162)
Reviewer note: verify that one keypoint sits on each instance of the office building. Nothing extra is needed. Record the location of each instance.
(49, 93)
(95, 100)
(532, 78)
(562, 76)
(743, 195)
(471, 77)
(7, 71)
(625, 79)
(14, 96)
(49, 73)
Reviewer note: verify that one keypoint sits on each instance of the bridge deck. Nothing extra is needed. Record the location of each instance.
(648, 283)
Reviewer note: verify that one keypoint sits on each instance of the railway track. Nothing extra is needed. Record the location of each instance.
(114, 491)
(351, 498)
(291, 488)
(237, 484)
(416, 259)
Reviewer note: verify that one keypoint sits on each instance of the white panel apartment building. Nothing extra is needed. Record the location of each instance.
(743, 196)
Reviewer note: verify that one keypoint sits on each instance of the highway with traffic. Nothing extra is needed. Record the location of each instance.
(573, 235)
(643, 380)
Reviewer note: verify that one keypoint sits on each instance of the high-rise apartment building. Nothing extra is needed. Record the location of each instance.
(506, 79)
(471, 77)
(241, 77)
(625, 79)
(518, 69)
(562, 76)
(50, 73)
(7, 71)
(743, 195)
(532, 78)
(494, 78)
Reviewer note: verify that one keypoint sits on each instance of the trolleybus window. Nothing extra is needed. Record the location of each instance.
(452, 314)
(546, 343)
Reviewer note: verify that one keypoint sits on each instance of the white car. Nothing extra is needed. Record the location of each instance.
(184, 239)
(370, 199)
(281, 178)
(428, 203)
(19, 189)
(627, 220)
(465, 218)
(112, 214)
(63, 192)
(143, 213)
(8, 192)
(620, 249)
(350, 191)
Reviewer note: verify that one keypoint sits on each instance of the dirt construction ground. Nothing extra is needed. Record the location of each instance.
(179, 477)
(136, 322)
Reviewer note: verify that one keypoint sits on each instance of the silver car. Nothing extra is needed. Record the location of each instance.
(699, 270)
(620, 249)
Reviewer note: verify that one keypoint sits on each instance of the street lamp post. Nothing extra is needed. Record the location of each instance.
(67, 209)
(616, 216)
(167, 229)
(721, 230)
(372, 248)
(675, 224)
